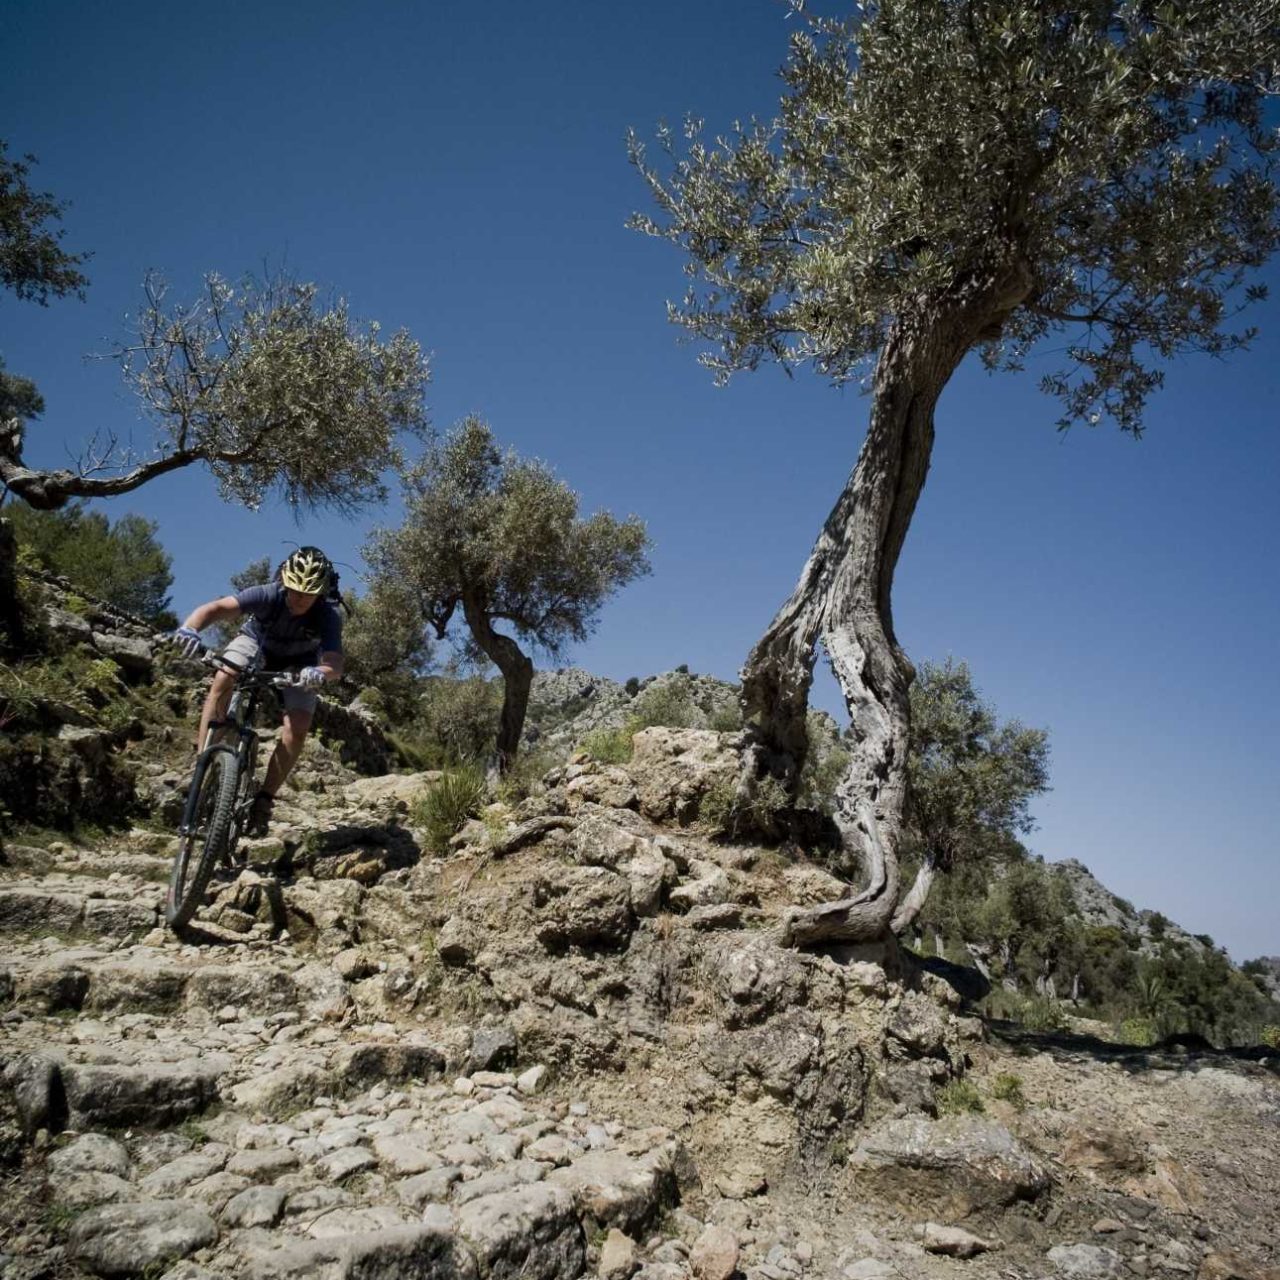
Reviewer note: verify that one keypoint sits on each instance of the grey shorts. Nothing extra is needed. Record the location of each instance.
(244, 649)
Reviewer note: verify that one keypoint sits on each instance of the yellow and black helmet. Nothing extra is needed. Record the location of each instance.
(308, 569)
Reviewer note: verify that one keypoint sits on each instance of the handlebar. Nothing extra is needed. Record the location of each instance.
(249, 675)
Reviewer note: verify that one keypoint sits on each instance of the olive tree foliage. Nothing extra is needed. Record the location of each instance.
(385, 647)
(33, 267)
(265, 382)
(33, 263)
(498, 538)
(970, 779)
(947, 177)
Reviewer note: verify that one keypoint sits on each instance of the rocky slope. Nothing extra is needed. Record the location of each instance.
(573, 1046)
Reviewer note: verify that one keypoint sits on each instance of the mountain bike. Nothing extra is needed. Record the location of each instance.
(222, 789)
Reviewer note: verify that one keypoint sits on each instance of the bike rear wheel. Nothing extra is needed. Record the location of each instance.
(205, 840)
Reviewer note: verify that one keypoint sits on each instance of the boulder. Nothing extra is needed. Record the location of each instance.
(618, 1190)
(143, 1095)
(715, 1253)
(583, 906)
(129, 1239)
(129, 653)
(529, 1233)
(1086, 1261)
(958, 1165)
(675, 768)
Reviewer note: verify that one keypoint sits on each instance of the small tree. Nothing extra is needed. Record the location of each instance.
(385, 647)
(944, 177)
(970, 779)
(33, 263)
(121, 563)
(265, 383)
(499, 538)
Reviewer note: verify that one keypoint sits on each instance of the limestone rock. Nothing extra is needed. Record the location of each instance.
(620, 1190)
(1086, 1261)
(130, 653)
(126, 1239)
(715, 1253)
(675, 768)
(583, 906)
(254, 1207)
(148, 1095)
(957, 1165)
(91, 1152)
(617, 1256)
(531, 1232)
(954, 1242)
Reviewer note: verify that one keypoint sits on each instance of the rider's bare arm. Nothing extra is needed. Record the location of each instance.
(222, 609)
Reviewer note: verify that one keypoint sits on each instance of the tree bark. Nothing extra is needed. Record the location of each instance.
(910, 906)
(517, 679)
(844, 599)
(10, 609)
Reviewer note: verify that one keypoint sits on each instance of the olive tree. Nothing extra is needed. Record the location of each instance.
(268, 384)
(970, 779)
(947, 177)
(33, 266)
(498, 538)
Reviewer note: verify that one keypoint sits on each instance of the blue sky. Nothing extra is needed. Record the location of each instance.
(461, 172)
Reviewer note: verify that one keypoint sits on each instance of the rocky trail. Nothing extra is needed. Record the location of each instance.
(574, 1046)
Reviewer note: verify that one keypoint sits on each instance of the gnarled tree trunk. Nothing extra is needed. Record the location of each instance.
(517, 679)
(844, 599)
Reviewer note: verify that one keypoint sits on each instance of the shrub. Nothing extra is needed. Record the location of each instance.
(445, 807)
(1270, 1036)
(722, 813)
(1139, 1031)
(461, 716)
(524, 777)
(726, 718)
(1040, 1013)
(959, 1097)
(610, 746)
(669, 704)
(632, 687)
(1008, 1088)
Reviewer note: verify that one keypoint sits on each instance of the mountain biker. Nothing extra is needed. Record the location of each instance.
(295, 627)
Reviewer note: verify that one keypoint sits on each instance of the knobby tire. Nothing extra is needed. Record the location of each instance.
(200, 850)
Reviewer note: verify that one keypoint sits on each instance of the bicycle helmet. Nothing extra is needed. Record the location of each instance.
(308, 570)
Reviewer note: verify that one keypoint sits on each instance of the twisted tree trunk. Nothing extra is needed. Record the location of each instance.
(844, 599)
(517, 679)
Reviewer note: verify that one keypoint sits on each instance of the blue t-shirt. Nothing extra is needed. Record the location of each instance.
(279, 633)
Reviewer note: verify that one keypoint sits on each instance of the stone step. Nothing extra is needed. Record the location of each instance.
(332, 1192)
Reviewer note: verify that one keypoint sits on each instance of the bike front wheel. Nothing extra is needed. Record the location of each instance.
(207, 828)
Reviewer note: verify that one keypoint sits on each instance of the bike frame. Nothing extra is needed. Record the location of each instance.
(243, 704)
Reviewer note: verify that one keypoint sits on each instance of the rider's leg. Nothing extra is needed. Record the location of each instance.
(297, 723)
(215, 704)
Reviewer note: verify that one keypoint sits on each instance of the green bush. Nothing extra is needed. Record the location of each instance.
(1008, 1088)
(669, 704)
(610, 746)
(726, 718)
(959, 1097)
(460, 717)
(1139, 1031)
(721, 812)
(524, 777)
(445, 807)
(1270, 1036)
(1043, 1014)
